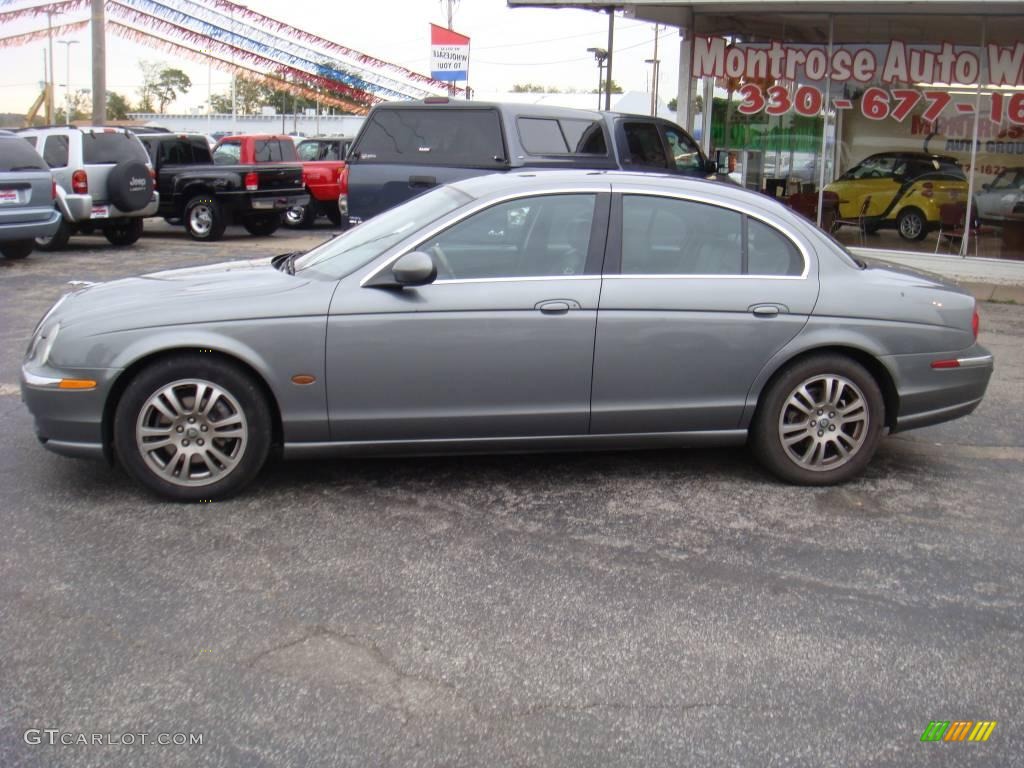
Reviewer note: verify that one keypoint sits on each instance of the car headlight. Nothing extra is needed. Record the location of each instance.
(42, 344)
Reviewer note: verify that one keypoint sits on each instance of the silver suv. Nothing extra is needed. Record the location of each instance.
(26, 198)
(104, 178)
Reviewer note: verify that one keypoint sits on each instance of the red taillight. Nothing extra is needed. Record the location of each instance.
(946, 364)
(343, 179)
(53, 189)
(252, 181)
(79, 182)
(927, 190)
(152, 174)
(976, 323)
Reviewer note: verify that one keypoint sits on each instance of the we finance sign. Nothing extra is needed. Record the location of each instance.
(893, 80)
(449, 54)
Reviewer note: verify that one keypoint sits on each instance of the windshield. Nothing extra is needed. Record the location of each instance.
(343, 255)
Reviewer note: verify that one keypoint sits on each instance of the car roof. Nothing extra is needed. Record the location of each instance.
(257, 136)
(510, 107)
(915, 156)
(496, 183)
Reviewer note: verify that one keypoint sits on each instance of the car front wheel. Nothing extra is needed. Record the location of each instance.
(264, 225)
(819, 422)
(301, 216)
(192, 428)
(57, 240)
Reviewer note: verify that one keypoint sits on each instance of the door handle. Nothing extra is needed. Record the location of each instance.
(765, 310)
(554, 307)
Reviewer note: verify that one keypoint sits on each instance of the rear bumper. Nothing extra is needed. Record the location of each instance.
(79, 209)
(42, 223)
(933, 395)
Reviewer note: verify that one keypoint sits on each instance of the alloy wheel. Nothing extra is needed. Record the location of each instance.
(824, 422)
(191, 432)
(200, 219)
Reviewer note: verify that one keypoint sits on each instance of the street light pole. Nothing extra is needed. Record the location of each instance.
(67, 79)
(600, 54)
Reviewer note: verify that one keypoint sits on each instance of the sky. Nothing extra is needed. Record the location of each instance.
(508, 46)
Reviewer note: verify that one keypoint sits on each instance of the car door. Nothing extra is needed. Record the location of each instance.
(874, 178)
(697, 296)
(500, 345)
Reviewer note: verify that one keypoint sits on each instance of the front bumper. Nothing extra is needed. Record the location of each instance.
(67, 421)
(933, 395)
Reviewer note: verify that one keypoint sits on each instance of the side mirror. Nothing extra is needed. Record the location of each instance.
(710, 166)
(414, 268)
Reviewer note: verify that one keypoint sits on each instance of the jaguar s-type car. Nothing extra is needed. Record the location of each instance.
(524, 312)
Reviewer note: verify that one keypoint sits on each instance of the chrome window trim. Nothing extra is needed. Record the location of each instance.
(531, 279)
(788, 233)
(982, 361)
(597, 189)
(705, 277)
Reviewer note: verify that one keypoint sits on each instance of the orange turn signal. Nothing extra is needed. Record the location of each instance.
(77, 384)
(303, 378)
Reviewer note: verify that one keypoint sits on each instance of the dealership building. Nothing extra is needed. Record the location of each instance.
(903, 121)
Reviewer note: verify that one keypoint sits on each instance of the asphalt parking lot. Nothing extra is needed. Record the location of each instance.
(658, 608)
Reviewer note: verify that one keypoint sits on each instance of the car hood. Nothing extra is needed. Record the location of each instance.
(228, 291)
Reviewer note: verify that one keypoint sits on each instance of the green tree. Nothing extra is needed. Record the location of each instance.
(117, 106)
(614, 88)
(170, 84)
(527, 88)
(81, 107)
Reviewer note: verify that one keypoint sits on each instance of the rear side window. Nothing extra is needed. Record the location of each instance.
(274, 150)
(55, 151)
(101, 148)
(176, 152)
(18, 156)
(31, 140)
(468, 137)
(309, 150)
(666, 236)
(644, 144)
(553, 136)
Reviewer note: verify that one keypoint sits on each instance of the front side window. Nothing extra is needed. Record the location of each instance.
(683, 150)
(644, 145)
(667, 236)
(542, 236)
(880, 167)
(228, 153)
(55, 151)
(309, 150)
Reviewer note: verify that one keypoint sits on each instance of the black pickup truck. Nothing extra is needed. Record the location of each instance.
(206, 197)
(405, 148)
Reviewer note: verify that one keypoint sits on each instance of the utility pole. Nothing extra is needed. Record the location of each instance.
(67, 78)
(99, 64)
(608, 64)
(655, 62)
(50, 114)
(234, 101)
(451, 4)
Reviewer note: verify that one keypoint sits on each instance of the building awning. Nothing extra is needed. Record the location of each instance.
(797, 21)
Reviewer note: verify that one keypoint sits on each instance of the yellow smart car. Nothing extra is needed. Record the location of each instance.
(899, 189)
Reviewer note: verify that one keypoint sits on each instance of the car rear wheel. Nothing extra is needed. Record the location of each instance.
(57, 240)
(204, 219)
(262, 226)
(191, 427)
(335, 216)
(819, 422)
(301, 216)
(912, 225)
(17, 249)
(124, 232)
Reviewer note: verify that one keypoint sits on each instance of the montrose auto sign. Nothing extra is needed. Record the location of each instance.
(778, 78)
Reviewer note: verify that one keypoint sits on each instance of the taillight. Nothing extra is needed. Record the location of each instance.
(252, 181)
(343, 179)
(53, 189)
(79, 182)
(152, 174)
(927, 190)
(976, 322)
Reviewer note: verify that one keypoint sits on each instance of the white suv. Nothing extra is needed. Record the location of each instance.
(104, 178)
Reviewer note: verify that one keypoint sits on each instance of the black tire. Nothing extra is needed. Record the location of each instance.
(301, 216)
(17, 249)
(57, 240)
(248, 455)
(204, 219)
(829, 428)
(335, 216)
(124, 232)
(912, 225)
(262, 225)
(130, 185)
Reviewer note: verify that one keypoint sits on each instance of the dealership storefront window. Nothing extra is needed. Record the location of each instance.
(896, 131)
(919, 146)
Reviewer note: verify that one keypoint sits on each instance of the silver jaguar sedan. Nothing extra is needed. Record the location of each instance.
(513, 312)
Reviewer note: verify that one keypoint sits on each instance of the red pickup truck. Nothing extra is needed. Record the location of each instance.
(323, 170)
(326, 177)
